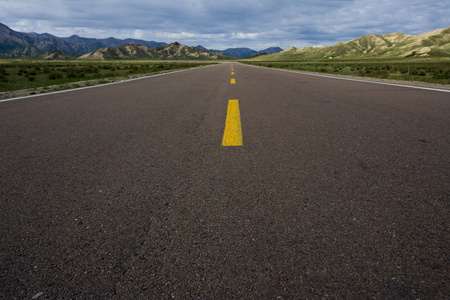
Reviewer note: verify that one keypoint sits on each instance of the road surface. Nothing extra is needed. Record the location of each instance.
(340, 189)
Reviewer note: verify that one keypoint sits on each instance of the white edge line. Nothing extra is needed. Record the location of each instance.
(358, 80)
(101, 85)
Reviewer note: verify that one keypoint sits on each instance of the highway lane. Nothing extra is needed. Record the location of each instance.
(340, 189)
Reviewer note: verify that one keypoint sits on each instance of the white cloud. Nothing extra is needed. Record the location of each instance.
(244, 36)
(138, 34)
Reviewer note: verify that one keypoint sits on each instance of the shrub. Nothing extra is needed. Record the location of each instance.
(55, 75)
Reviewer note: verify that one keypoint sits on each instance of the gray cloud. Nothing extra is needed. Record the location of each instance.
(221, 24)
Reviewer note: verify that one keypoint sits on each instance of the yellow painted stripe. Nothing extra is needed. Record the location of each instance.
(232, 73)
(233, 132)
(233, 81)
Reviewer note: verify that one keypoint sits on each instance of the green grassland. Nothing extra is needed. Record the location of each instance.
(432, 70)
(20, 75)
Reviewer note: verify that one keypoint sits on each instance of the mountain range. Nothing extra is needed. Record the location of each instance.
(46, 46)
(431, 44)
(170, 51)
(17, 44)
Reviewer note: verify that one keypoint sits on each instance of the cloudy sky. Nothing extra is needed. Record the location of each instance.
(221, 24)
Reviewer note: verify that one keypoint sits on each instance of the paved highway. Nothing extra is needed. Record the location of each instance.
(336, 189)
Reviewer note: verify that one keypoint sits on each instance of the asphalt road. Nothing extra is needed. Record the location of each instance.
(340, 190)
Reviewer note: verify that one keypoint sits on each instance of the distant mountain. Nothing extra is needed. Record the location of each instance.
(431, 44)
(243, 52)
(171, 51)
(202, 48)
(271, 50)
(239, 52)
(210, 50)
(15, 44)
(95, 44)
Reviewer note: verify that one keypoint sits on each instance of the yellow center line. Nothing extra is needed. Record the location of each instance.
(233, 81)
(232, 135)
(232, 73)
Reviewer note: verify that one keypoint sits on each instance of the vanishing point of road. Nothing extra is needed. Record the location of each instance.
(322, 188)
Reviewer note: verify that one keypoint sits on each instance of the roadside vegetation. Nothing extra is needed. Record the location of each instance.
(50, 75)
(429, 71)
(41, 76)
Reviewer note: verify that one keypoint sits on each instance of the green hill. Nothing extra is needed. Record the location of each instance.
(392, 45)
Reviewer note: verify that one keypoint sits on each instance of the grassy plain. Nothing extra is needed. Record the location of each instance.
(20, 75)
(431, 70)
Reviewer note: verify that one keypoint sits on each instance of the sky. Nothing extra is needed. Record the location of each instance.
(222, 24)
